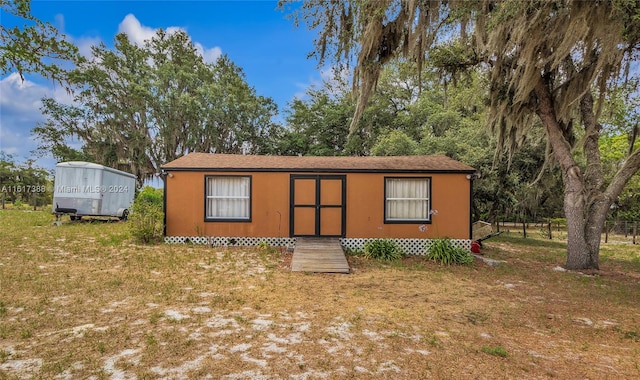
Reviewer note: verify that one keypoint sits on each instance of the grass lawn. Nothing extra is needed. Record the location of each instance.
(81, 300)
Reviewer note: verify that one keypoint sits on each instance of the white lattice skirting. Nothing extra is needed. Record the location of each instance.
(409, 246)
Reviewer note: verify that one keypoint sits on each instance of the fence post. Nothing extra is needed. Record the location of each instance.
(606, 232)
(3, 194)
(524, 228)
(35, 204)
(626, 229)
(549, 230)
(635, 231)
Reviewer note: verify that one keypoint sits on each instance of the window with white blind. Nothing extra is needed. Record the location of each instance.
(407, 200)
(228, 198)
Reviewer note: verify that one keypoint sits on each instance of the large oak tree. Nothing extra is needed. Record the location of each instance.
(138, 107)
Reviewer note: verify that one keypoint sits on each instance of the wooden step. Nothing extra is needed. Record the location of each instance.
(322, 255)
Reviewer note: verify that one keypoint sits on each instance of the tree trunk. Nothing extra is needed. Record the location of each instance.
(597, 202)
(580, 254)
(586, 204)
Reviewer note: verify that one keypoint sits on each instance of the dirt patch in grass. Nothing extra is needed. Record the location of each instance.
(82, 301)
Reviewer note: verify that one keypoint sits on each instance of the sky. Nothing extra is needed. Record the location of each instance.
(255, 35)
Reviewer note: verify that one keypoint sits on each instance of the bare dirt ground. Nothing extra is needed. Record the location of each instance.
(81, 301)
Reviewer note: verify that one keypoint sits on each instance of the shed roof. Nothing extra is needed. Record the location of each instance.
(91, 165)
(237, 162)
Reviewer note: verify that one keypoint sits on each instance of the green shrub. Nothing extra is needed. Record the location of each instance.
(383, 249)
(443, 252)
(146, 221)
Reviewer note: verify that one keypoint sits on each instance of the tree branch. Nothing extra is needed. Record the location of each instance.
(593, 176)
(630, 166)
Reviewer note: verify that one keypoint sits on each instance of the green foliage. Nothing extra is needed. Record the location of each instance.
(442, 251)
(495, 351)
(150, 195)
(24, 183)
(394, 143)
(33, 46)
(318, 126)
(383, 249)
(146, 221)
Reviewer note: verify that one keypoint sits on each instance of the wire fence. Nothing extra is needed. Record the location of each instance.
(615, 231)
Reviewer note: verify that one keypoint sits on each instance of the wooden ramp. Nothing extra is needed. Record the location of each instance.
(319, 255)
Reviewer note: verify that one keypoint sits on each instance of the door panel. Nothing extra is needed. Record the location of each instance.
(305, 193)
(330, 192)
(330, 221)
(305, 218)
(318, 205)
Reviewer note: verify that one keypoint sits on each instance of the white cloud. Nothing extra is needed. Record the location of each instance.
(135, 30)
(18, 95)
(20, 104)
(139, 33)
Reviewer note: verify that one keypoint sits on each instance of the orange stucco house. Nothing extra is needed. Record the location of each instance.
(226, 199)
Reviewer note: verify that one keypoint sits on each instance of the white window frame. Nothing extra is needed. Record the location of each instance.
(211, 213)
(423, 216)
